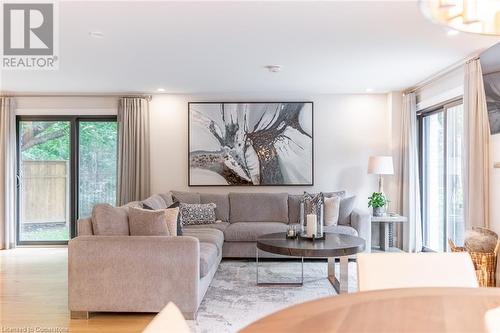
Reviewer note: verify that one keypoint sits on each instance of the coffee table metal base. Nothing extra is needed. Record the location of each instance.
(288, 284)
(340, 285)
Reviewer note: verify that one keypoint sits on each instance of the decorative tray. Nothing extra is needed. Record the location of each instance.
(313, 238)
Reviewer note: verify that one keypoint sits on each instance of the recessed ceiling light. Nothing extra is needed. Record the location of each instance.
(452, 32)
(273, 68)
(96, 34)
(160, 90)
(369, 90)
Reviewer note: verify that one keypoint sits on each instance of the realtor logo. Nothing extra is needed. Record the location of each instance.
(29, 36)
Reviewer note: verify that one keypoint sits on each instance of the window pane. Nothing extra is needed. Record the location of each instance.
(97, 146)
(454, 185)
(442, 158)
(433, 167)
(44, 180)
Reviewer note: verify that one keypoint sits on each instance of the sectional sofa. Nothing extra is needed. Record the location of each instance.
(121, 273)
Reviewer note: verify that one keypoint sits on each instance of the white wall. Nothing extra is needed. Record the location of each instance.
(443, 89)
(66, 105)
(348, 129)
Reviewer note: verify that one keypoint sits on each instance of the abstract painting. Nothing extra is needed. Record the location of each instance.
(251, 144)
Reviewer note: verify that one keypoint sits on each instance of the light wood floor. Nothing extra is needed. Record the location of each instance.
(34, 294)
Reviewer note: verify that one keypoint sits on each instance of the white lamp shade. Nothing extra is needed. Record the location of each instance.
(380, 165)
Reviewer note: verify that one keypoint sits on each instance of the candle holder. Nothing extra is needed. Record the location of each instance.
(311, 216)
(292, 232)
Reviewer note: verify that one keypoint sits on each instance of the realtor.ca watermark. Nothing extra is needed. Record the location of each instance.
(33, 329)
(30, 35)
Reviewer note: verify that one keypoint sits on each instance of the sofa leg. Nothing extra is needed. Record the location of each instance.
(80, 315)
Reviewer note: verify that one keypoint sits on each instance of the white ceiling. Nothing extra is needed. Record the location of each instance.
(215, 47)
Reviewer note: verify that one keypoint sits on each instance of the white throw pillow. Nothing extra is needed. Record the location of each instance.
(332, 207)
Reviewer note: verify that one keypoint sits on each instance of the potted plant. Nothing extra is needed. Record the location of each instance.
(378, 202)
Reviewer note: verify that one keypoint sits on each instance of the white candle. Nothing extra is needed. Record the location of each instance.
(311, 225)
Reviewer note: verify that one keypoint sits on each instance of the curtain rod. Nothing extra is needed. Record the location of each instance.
(148, 97)
(440, 74)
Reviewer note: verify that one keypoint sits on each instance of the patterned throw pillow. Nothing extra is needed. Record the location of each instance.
(194, 214)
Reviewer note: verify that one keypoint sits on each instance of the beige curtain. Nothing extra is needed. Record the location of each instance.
(477, 146)
(409, 185)
(133, 150)
(7, 173)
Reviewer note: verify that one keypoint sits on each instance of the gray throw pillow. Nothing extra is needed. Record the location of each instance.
(193, 214)
(109, 221)
(154, 202)
(145, 222)
(186, 197)
(167, 197)
(345, 210)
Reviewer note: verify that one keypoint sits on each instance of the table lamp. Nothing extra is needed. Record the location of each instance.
(380, 165)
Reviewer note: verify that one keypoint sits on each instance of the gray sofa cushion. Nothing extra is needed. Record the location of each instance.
(207, 235)
(250, 231)
(340, 194)
(345, 210)
(208, 257)
(110, 221)
(186, 197)
(222, 203)
(154, 202)
(217, 225)
(258, 207)
(294, 208)
(341, 229)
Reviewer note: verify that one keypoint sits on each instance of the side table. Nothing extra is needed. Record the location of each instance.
(385, 224)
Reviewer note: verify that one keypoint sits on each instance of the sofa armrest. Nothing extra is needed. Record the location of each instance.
(362, 222)
(133, 273)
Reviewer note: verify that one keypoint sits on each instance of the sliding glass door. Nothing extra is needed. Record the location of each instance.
(44, 180)
(66, 165)
(97, 164)
(442, 153)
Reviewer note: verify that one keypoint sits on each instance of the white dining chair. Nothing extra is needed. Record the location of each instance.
(409, 270)
(170, 319)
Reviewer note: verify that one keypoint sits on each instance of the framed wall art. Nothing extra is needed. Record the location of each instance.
(251, 144)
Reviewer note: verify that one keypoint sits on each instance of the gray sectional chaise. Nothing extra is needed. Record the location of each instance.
(143, 273)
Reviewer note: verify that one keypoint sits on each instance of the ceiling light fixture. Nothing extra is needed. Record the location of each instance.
(96, 34)
(273, 68)
(369, 90)
(475, 16)
(160, 90)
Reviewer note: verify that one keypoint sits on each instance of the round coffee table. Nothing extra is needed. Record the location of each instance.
(333, 246)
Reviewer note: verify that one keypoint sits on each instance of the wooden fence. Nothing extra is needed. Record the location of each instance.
(45, 192)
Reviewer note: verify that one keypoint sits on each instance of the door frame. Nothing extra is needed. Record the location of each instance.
(421, 115)
(74, 169)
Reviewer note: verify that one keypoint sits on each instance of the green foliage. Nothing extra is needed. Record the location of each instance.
(97, 155)
(55, 149)
(377, 200)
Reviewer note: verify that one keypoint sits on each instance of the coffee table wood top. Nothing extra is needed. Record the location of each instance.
(394, 310)
(334, 245)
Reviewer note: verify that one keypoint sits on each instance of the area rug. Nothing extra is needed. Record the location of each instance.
(234, 300)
